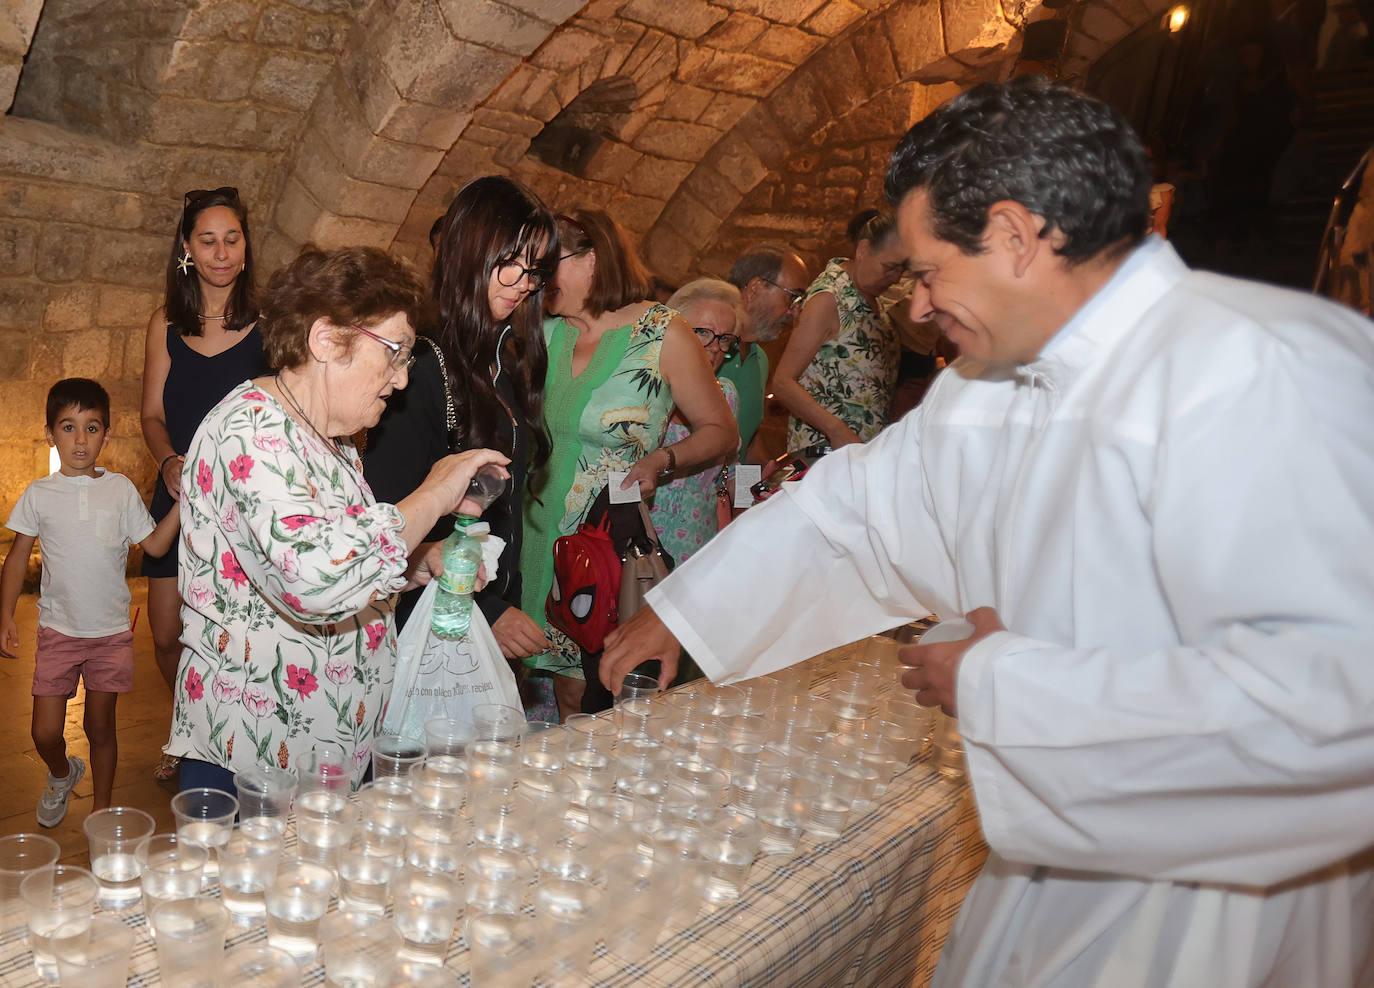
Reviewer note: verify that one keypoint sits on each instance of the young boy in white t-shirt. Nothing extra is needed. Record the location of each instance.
(86, 517)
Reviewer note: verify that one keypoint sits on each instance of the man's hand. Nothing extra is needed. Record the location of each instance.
(9, 638)
(642, 638)
(934, 672)
(518, 634)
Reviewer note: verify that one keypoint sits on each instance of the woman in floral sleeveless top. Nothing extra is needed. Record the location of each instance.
(840, 366)
(617, 366)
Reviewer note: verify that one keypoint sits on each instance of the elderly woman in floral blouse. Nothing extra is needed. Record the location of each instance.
(288, 564)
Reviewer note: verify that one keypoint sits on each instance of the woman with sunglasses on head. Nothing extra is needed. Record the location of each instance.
(839, 368)
(684, 512)
(617, 365)
(201, 342)
(478, 379)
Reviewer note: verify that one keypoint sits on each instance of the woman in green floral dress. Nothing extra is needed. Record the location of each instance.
(617, 366)
(288, 563)
(840, 366)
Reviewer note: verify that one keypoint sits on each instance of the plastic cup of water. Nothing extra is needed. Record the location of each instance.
(393, 754)
(94, 954)
(172, 868)
(190, 940)
(114, 835)
(58, 897)
(296, 902)
(206, 817)
(358, 948)
(20, 856)
(265, 793)
(425, 906)
(256, 965)
(247, 866)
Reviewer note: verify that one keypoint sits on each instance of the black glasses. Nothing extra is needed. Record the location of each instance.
(401, 355)
(791, 293)
(511, 273)
(195, 195)
(709, 336)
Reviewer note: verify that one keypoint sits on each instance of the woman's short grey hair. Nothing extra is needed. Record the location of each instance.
(705, 290)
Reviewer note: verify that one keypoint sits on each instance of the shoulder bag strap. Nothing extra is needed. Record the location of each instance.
(450, 414)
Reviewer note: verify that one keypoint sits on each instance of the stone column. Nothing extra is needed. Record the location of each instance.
(18, 19)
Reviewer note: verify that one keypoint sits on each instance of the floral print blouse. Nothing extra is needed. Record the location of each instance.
(607, 418)
(287, 570)
(684, 511)
(852, 375)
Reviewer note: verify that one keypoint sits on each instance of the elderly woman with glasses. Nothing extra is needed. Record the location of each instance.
(838, 371)
(288, 563)
(617, 365)
(684, 511)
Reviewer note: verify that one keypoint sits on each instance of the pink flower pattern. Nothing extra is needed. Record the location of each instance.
(260, 504)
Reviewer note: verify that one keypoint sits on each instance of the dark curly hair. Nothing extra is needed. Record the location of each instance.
(350, 286)
(1064, 156)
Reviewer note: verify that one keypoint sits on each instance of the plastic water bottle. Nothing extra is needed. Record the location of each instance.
(462, 555)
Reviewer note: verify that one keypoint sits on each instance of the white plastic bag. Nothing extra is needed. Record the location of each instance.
(440, 678)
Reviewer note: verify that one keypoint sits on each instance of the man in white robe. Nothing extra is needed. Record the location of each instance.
(1152, 492)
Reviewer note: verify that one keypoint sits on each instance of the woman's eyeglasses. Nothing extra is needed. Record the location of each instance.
(401, 355)
(511, 273)
(709, 336)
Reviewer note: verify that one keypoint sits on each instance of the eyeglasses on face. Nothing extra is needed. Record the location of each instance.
(511, 273)
(791, 293)
(708, 337)
(224, 191)
(401, 355)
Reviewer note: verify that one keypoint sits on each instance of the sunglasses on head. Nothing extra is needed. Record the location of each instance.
(196, 195)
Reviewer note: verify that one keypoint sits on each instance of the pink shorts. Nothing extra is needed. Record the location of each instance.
(106, 664)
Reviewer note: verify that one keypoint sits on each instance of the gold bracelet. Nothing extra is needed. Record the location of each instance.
(672, 461)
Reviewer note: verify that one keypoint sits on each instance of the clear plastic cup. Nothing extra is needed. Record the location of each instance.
(425, 906)
(759, 695)
(114, 835)
(408, 973)
(94, 954)
(496, 881)
(436, 841)
(568, 901)
(837, 787)
(394, 754)
(542, 748)
(324, 825)
(731, 844)
(327, 768)
(172, 868)
(503, 948)
(781, 808)
(247, 866)
(296, 902)
(58, 897)
(386, 804)
(190, 940)
(265, 793)
(721, 701)
(358, 948)
(445, 736)
(497, 722)
(442, 786)
(256, 965)
(206, 817)
(505, 820)
(365, 869)
(591, 771)
(20, 856)
(588, 733)
(637, 686)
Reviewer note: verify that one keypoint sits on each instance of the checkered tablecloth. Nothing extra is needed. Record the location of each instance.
(871, 908)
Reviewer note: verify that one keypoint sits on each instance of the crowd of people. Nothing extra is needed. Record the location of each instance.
(1145, 488)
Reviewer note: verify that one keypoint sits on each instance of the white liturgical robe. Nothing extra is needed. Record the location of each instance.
(1172, 745)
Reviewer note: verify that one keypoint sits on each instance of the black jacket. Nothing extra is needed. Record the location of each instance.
(411, 438)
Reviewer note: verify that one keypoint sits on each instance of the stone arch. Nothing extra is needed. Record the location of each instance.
(1097, 25)
(394, 102)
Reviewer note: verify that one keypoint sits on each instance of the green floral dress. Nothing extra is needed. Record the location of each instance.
(607, 418)
(852, 375)
(287, 570)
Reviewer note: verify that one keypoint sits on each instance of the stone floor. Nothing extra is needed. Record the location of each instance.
(143, 718)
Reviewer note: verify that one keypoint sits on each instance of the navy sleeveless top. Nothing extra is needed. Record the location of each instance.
(195, 384)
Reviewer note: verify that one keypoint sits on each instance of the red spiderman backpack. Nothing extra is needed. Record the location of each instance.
(586, 585)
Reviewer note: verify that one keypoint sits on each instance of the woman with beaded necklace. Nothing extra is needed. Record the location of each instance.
(201, 342)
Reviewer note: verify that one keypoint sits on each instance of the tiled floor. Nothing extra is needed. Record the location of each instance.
(143, 718)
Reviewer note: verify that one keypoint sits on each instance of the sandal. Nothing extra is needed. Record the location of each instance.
(167, 768)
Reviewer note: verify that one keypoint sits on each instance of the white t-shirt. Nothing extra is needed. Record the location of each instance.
(85, 526)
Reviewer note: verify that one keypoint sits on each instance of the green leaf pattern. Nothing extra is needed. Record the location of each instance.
(852, 375)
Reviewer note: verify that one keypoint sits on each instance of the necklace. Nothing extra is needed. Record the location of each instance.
(204, 316)
(329, 444)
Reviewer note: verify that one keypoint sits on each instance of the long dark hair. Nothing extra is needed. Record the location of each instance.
(493, 220)
(183, 300)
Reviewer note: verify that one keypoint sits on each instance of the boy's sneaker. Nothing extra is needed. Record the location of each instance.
(52, 805)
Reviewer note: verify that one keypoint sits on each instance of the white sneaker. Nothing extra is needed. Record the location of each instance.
(52, 805)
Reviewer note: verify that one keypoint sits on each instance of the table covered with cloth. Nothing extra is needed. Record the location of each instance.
(871, 908)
